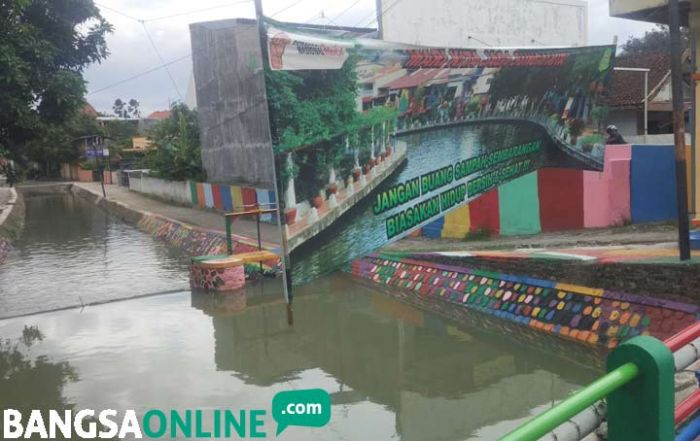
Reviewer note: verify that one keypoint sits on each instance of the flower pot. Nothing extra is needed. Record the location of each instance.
(290, 215)
(367, 168)
(382, 155)
(356, 175)
(331, 189)
(317, 201)
(387, 152)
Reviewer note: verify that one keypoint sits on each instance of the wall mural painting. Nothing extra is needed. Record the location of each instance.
(372, 139)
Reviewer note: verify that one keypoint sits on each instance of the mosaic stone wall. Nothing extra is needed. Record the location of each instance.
(587, 315)
(5, 249)
(217, 279)
(195, 241)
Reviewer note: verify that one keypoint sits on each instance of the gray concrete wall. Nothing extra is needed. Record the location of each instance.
(232, 109)
(627, 121)
(175, 191)
(494, 22)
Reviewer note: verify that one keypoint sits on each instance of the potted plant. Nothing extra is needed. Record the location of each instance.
(368, 167)
(290, 215)
(356, 174)
(331, 188)
(317, 201)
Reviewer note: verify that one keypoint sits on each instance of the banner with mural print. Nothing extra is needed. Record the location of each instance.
(373, 139)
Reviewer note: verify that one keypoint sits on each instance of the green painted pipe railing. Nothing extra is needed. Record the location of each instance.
(544, 423)
(639, 392)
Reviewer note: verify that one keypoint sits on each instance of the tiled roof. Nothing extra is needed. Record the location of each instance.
(627, 88)
(159, 114)
(414, 79)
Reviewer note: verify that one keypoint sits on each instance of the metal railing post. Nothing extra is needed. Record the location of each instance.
(229, 240)
(642, 410)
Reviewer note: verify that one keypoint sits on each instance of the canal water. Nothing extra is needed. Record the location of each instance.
(72, 253)
(360, 231)
(394, 372)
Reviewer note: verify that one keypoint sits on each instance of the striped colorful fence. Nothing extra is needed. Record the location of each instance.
(229, 198)
(587, 315)
(636, 186)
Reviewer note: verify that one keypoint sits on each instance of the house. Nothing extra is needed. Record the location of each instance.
(372, 85)
(625, 96)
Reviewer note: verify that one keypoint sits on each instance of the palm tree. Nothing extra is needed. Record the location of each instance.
(133, 108)
(119, 109)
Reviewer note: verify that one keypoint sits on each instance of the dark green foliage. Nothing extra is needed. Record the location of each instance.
(119, 134)
(309, 106)
(655, 40)
(44, 47)
(177, 152)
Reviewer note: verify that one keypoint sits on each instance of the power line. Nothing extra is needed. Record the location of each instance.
(352, 5)
(117, 12)
(374, 13)
(286, 8)
(139, 75)
(160, 58)
(180, 14)
(166, 64)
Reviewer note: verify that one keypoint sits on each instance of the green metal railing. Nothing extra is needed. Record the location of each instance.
(640, 395)
(544, 423)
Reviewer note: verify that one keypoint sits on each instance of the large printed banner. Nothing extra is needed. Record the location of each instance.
(372, 139)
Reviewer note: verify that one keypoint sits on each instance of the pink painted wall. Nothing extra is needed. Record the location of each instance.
(606, 195)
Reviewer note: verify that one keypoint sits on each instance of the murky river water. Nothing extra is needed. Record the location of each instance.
(394, 372)
(72, 253)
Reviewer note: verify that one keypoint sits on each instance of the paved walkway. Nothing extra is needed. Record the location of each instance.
(650, 243)
(207, 219)
(5, 195)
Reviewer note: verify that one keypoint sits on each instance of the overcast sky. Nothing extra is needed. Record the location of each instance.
(166, 21)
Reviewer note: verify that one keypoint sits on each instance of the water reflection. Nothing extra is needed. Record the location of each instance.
(385, 352)
(394, 372)
(29, 380)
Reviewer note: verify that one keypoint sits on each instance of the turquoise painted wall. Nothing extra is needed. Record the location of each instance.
(519, 206)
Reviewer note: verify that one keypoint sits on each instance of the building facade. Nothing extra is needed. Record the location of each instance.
(478, 23)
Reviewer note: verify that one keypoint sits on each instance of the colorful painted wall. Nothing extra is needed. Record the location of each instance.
(591, 316)
(225, 198)
(636, 186)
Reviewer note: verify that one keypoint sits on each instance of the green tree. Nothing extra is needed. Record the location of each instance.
(309, 106)
(655, 40)
(44, 47)
(177, 152)
(119, 133)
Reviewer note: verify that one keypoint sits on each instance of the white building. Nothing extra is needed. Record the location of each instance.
(481, 23)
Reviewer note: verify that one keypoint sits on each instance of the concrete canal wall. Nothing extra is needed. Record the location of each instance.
(193, 240)
(591, 316)
(11, 219)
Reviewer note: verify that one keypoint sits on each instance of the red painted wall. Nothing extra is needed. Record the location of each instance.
(484, 213)
(561, 198)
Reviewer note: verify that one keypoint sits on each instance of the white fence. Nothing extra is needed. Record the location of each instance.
(176, 191)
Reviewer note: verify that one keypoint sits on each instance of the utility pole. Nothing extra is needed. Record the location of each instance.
(380, 24)
(259, 18)
(286, 268)
(679, 131)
